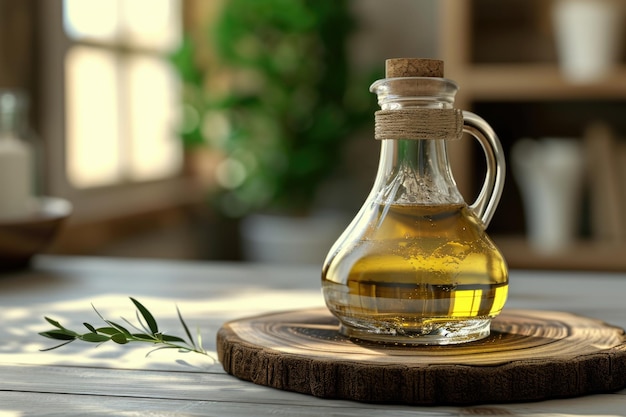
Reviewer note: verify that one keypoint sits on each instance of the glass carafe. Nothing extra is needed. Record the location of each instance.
(415, 266)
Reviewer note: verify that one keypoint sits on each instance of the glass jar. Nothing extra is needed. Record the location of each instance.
(415, 266)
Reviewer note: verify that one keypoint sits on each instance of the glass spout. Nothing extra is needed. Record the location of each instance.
(427, 92)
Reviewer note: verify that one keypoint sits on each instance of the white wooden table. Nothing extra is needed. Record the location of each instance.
(111, 380)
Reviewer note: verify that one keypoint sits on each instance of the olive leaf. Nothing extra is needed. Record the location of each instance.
(152, 324)
(147, 332)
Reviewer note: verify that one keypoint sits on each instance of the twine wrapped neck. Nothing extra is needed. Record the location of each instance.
(419, 123)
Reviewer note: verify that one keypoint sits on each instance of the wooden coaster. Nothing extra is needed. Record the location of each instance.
(529, 356)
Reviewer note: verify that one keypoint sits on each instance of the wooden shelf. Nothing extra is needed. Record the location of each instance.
(535, 82)
(582, 255)
(530, 87)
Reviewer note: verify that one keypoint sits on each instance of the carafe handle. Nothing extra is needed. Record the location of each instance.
(491, 191)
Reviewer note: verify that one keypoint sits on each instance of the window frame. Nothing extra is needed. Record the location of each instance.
(91, 204)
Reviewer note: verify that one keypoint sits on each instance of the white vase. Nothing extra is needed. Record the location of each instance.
(290, 240)
(550, 177)
(588, 37)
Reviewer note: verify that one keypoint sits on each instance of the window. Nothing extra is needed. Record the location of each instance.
(120, 93)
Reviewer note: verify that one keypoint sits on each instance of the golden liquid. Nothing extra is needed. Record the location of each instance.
(414, 269)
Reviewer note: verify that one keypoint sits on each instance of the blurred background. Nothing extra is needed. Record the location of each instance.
(192, 129)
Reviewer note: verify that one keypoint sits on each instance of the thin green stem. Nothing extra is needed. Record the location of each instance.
(148, 332)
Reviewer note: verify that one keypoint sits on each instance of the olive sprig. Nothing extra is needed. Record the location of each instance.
(146, 332)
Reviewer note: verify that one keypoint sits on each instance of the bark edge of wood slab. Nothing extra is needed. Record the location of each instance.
(529, 356)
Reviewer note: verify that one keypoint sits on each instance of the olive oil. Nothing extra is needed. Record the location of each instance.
(419, 273)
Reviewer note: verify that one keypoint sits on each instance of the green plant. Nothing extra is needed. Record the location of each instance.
(279, 101)
(146, 332)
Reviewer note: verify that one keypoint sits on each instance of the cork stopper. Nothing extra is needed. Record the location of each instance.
(413, 67)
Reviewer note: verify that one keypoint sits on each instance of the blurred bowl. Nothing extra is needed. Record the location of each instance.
(21, 238)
